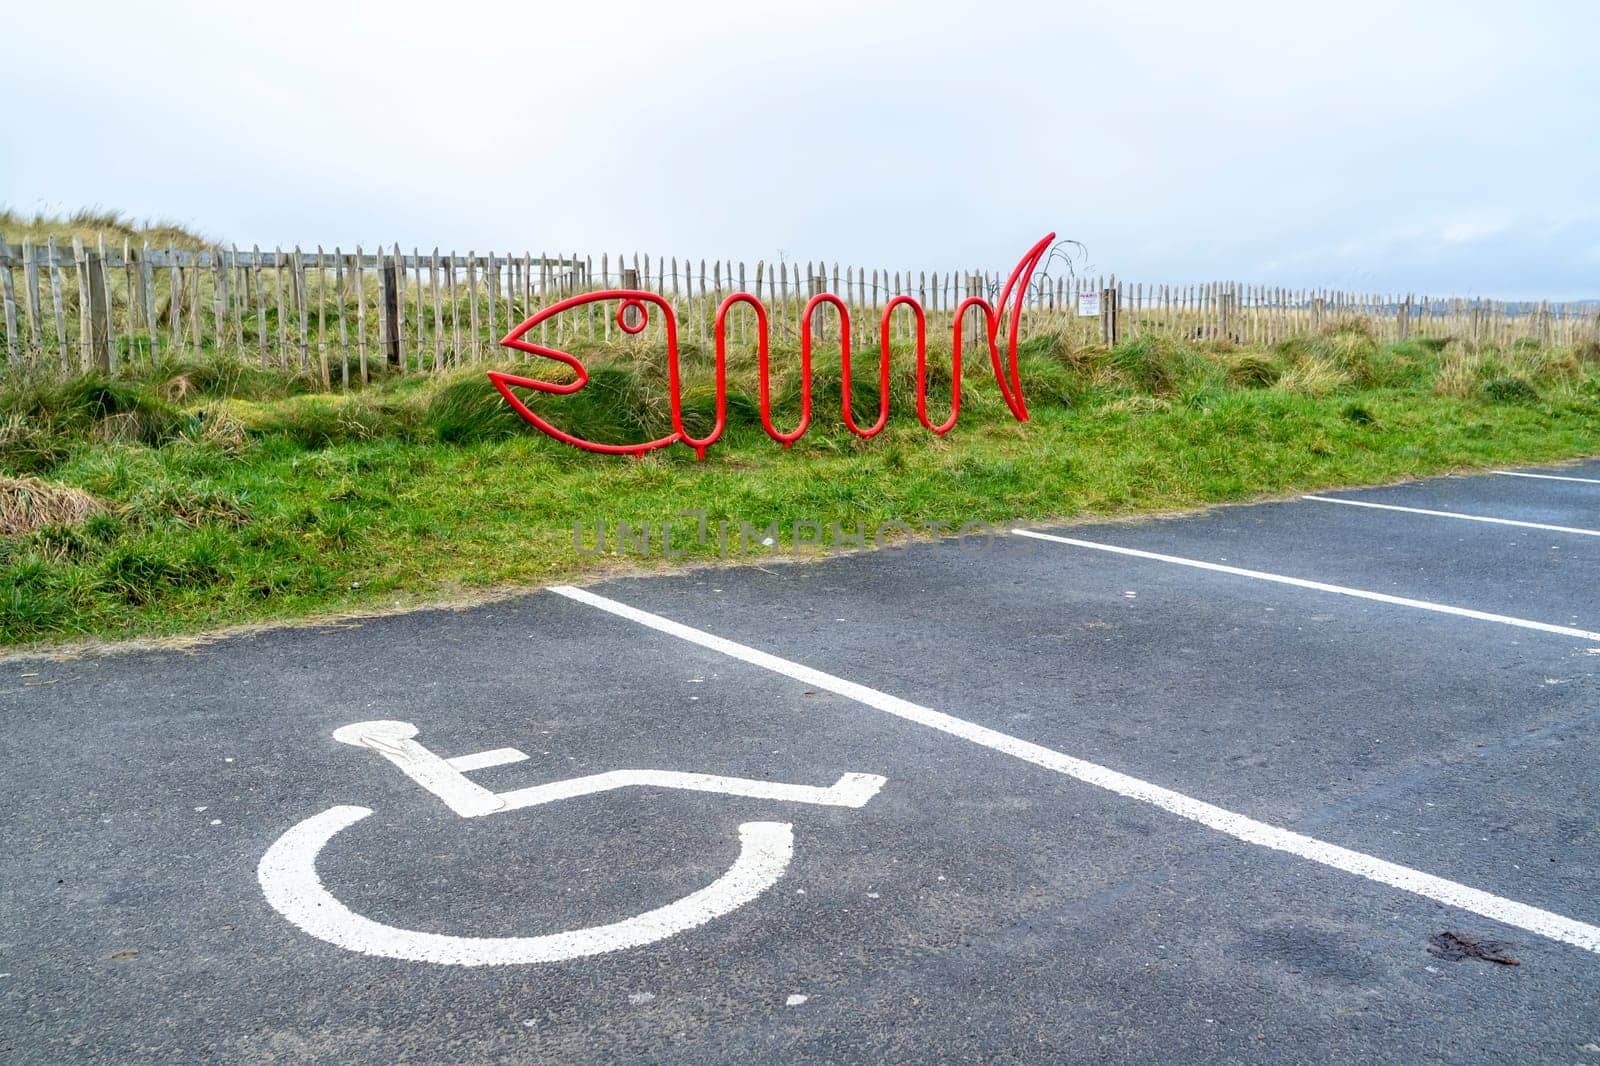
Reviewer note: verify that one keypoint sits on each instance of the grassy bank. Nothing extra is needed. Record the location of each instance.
(219, 494)
(92, 225)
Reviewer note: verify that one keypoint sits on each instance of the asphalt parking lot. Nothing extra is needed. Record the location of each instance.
(1236, 786)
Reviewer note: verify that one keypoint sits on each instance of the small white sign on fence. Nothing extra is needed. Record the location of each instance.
(1089, 304)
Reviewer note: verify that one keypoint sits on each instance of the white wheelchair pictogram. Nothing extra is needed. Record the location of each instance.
(288, 871)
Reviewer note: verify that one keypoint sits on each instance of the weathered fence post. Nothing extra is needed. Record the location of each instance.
(1224, 315)
(1318, 310)
(99, 341)
(10, 302)
(297, 274)
(359, 276)
(389, 323)
(818, 284)
(1405, 319)
(219, 297)
(1110, 328)
(30, 285)
(630, 280)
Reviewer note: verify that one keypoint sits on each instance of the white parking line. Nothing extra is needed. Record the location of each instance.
(1521, 915)
(1549, 477)
(1455, 514)
(1319, 586)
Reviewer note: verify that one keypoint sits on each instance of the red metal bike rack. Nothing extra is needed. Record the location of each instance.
(1008, 377)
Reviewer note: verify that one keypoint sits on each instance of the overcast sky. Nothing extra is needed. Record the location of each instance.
(1450, 147)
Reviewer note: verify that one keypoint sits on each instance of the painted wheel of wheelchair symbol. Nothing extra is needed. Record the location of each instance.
(288, 871)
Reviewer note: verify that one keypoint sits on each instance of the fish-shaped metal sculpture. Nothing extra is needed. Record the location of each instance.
(633, 314)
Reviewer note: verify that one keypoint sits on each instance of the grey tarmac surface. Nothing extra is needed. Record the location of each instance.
(978, 907)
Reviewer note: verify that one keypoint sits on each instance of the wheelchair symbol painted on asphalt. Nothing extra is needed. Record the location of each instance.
(288, 871)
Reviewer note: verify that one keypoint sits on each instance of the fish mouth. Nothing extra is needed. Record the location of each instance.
(632, 316)
(506, 384)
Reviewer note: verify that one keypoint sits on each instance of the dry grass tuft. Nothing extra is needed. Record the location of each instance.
(27, 444)
(92, 223)
(1313, 377)
(28, 504)
(193, 504)
(1562, 365)
(1458, 374)
(1350, 326)
(1140, 405)
(124, 427)
(1251, 370)
(218, 428)
(178, 389)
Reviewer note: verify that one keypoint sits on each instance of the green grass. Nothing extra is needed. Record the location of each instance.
(237, 495)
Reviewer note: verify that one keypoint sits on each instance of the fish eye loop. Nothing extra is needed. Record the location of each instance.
(632, 316)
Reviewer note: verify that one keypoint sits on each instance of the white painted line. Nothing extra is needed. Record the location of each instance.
(1319, 586)
(396, 741)
(851, 790)
(1532, 919)
(1549, 477)
(483, 760)
(288, 876)
(1455, 514)
(446, 778)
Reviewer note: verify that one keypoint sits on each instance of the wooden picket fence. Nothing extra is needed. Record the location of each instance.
(341, 315)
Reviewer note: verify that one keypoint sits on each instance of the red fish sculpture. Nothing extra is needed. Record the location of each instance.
(633, 314)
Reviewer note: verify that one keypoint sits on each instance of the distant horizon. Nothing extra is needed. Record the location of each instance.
(1368, 150)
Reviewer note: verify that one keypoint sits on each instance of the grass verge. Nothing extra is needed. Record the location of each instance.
(229, 495)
